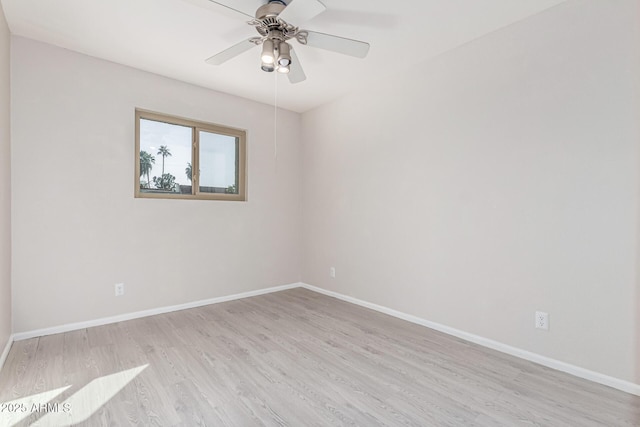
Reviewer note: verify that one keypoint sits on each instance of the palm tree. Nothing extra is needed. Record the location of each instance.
(146, 164)
(164, 152)
(188, 171)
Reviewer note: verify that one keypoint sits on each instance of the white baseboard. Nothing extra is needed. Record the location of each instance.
(577, 371)
(152, 312)
(5, 352)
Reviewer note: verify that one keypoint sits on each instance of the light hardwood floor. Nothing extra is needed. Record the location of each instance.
(293, 358)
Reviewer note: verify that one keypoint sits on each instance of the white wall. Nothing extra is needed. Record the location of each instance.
(77, 228)
(494, 181)
(5, 186)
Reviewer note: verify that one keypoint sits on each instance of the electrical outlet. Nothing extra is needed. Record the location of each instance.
(542, 320)
(119, 289)
(332, 272)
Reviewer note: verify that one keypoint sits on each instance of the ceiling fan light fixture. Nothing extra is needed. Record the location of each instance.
(284, 55)
(269, 68)
(267, 52)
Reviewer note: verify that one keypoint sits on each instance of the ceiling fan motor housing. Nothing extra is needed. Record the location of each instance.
(270, 26)
(270, 10)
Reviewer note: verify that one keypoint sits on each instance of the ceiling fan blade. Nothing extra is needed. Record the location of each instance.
(296, 73)
(338, 44)
(247, 6)
(230, 53)
(300, 11)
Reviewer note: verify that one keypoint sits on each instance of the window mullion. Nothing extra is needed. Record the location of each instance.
(195, 163)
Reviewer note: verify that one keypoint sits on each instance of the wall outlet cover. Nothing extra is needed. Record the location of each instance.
(542, 320)
(119, 289)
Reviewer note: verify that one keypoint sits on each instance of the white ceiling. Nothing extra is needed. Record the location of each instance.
(174, 37)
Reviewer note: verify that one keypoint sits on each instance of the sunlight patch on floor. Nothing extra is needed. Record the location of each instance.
(86, 401)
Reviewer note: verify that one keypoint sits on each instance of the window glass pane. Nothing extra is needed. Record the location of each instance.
(165, 157)
(218, 163)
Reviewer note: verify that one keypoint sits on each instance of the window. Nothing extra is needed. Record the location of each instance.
(183, 159)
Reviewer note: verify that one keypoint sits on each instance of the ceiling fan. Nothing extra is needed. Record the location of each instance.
(272, 21)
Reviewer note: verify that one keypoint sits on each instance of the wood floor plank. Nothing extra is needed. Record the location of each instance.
(298, 358)
(19, 370)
